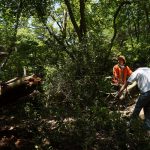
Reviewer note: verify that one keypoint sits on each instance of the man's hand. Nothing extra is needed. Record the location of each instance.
(119, 94)
(122, 89)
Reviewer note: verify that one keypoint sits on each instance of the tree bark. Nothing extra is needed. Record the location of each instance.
(82, 20)
(73, 19)
(17, 88)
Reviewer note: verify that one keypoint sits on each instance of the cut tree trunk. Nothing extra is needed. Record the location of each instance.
(17, 88)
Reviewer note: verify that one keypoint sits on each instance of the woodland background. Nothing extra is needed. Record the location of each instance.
(73, 46)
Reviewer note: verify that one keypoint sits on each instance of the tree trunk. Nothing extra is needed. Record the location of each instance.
(17, 88)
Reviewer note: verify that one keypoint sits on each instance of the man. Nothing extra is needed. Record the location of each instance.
(142, 78)
(120, 71)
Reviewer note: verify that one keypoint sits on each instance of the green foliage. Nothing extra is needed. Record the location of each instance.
(74, 62)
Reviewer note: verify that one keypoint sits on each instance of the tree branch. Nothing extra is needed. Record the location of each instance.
(114, 22)
(59, 42)
(73, 19)
(56, 21)
(12, 46)
(64, 24)
(82, 20)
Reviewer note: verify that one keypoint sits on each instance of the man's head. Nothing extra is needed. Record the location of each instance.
(138, 64)
(121, 60)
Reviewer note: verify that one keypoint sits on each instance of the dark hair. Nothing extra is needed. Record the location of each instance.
(138, 64)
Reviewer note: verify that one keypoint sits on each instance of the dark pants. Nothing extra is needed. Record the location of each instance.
(143, 102)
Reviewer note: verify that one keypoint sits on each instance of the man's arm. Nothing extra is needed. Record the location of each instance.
(123, 88)
(115, 75)
(115, 72)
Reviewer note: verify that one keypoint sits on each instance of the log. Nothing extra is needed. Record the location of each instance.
(17, 88)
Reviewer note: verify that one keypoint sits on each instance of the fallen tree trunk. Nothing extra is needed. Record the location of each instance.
(17, 88)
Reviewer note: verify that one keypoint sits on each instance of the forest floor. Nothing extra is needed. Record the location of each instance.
(17, 132)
